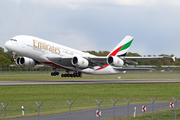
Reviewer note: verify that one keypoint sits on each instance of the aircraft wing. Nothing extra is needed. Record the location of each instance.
(137, 59)
(101, 61)
(66, 61)
(98, 60)
(58, 60)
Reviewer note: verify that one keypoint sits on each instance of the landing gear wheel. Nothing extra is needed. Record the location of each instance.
(67, 75)
(75, 74)
(12, 59)
(57, 73)
(71, 75)
(62, 75)
(13, 56)
(54, 73)
(79, 74)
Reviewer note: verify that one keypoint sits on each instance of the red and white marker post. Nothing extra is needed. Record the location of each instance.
(171, 105)
(144, 109)
(98, 113)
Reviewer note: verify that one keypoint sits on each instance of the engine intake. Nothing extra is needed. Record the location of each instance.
(115, 61)
(79, 62)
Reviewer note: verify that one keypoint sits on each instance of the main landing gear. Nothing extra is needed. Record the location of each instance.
(54, 73)
(76, 74)
(67, 74)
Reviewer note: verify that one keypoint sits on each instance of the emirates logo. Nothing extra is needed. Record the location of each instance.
(118, 62)
(29, 62)
(83, 62)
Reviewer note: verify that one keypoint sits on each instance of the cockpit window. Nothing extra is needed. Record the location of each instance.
(14, 40)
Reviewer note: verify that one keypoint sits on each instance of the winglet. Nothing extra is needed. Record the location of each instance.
(174, 58)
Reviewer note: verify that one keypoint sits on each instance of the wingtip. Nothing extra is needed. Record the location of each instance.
(174, 58)
(130, 36)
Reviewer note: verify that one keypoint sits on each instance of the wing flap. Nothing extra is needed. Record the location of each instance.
(63, 61)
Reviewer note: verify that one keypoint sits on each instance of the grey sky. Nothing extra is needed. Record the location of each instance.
(95, 24)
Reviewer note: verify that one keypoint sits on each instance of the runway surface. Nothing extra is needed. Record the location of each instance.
(73, 82)
(107, 112)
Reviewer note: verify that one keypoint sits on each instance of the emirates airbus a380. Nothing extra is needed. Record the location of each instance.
(35, 50)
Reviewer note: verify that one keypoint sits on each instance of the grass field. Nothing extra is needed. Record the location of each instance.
(54, 96)
(158, 115)
(8, 76)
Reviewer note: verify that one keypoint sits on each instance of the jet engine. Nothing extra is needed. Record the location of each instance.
(115, 61)
(25, 62)
(80, 62)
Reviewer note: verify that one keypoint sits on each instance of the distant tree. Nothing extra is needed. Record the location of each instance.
(92, 52)
(132, 54)
(1, 51)
(4, 62)
(103, 53)
(167, 62)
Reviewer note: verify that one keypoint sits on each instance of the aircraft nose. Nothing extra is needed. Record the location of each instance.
(8, 45)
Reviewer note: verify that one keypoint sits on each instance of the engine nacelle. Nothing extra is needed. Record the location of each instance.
(17, 60)
(115, 61)
(25, 62)
(80, 62)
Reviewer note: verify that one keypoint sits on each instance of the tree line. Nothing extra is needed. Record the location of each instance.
(5, 59)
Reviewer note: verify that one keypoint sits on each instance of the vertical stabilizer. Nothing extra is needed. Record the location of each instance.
(122, 48)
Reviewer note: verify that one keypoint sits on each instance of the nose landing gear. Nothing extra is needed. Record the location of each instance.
(13, 56)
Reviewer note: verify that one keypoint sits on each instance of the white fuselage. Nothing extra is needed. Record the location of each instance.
(38, 49)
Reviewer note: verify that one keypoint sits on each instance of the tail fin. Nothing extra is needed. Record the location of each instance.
(122, 48)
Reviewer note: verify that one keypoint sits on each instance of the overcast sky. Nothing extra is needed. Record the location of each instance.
(96, 24)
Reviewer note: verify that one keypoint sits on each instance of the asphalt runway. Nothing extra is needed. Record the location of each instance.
(74, 82)
(106, 112)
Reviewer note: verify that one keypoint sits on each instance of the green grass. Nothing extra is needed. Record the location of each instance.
(46, 76)
(158, 115)
(54, 96)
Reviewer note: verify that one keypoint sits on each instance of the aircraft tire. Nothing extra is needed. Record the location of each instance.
(67, 75)
(71, 75)
(12, 59)
(52, 74)
(74, 75)
(80, 75)
(57, 73)
(64, 75)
